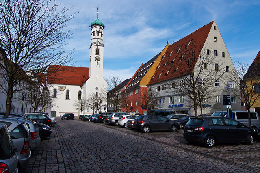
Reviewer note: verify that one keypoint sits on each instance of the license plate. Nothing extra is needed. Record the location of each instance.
(189, 131)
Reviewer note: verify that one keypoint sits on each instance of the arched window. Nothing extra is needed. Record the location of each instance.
(54, 93)
(79, 95)
(67, 94)
(97, 51)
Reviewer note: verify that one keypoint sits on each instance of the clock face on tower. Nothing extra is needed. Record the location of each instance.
(97, 58)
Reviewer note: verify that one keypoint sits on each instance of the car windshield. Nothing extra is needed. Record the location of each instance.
(222, 114)
(195, 122)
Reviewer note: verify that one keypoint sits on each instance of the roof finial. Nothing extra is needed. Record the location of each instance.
(97, 12)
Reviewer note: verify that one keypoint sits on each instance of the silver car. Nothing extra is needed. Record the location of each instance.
(20, 134)
(114, 117)
(8, 158)
(35, 139)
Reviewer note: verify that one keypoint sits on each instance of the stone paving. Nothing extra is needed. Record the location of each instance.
(77, 146)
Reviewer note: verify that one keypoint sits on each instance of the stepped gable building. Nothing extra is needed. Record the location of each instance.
(253, 78)
(134, 96)
(203, 54)
(80, 90)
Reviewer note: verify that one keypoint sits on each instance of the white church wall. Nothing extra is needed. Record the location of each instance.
(62, 105)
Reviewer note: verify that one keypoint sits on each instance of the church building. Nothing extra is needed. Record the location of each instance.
(80, 90)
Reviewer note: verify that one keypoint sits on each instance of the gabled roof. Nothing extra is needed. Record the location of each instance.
(181, 57)
(140, 74)
(254, 69)
(67, 75)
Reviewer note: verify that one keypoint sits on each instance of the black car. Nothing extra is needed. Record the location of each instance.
(39, 118)
(44, 130)
(97, 118)
(86, 117)
(180, 123)
(147, 123)
(68, 116)
(211, 130)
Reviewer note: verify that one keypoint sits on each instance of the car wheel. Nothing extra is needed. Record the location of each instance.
(146, 129)
(209, 141)
(173, 128)
(249, 139)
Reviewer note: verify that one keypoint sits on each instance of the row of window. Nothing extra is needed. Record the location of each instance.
(132, 92)
(67, 97)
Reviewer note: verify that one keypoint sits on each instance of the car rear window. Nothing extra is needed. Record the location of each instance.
(195, 122)
(19, 132)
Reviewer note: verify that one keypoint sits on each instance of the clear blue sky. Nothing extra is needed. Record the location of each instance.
(136, 30)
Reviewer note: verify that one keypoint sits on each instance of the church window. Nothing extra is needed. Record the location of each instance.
(223, 54)
(97, 51)
(97, 33)
(67, 94)
(93, 33)
(215, 39)
(79, 95)
(54, 93)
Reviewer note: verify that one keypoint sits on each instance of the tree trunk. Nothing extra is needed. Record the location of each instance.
(249, 118)
(9, 97)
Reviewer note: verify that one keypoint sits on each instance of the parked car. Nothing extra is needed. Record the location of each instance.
(212, 130)
(20, 135)
(8, 158)
(44, 130)
(53, 121)
(97, 118)
(123, 119)
(132, 124)
(182, 122)
(68, 116)
(80, 117)
(148, 123)
(241, 116)
(34, 129)
(39, 118)
(114, 117)
(176, 116)
(86, 117)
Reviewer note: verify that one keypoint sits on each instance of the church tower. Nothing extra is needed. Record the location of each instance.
(95, 88)
(96, 49)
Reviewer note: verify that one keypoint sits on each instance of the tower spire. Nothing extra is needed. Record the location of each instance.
(97, 13)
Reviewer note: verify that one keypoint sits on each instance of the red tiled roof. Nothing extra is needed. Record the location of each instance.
(67, 75)
(181, 57)
(254, 69)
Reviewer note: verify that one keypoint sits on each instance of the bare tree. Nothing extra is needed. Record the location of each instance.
(248, 85)
(114, 93)
(32, 36)
(81, 105)
(196, 80)
(96, 101)
(149, 100)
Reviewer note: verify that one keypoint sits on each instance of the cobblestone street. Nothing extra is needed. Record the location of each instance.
(77, 146)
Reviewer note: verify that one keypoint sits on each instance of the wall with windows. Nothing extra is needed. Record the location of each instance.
(64, 98)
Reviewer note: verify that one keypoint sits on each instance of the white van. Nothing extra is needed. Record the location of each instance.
(242, 116)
